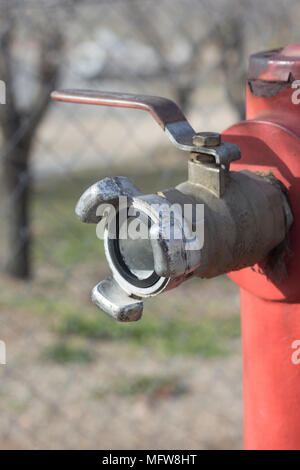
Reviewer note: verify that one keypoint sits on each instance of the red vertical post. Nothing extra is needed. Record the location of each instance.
(270, 308)
(271, 373)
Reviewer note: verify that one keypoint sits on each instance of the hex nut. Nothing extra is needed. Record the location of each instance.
(207, 139)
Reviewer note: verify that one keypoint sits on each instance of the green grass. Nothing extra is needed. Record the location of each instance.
(169, 335)
(64, 351)
(165, 328)
(151, 386)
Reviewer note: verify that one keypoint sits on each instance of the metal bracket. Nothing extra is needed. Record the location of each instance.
(165, 112)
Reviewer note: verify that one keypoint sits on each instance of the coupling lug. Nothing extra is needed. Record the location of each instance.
(114, 301)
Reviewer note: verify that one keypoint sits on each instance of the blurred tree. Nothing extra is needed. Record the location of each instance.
(18, 126)
(229, 37)
(226, 32)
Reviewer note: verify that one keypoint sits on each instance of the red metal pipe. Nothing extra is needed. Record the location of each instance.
(270, 141)
(271, 373)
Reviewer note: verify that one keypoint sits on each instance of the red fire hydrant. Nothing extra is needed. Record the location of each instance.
(247, 218)
(269, 139)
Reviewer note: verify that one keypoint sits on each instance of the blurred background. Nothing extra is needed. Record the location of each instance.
(74, 378)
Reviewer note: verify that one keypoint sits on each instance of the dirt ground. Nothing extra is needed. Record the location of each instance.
(185, 402)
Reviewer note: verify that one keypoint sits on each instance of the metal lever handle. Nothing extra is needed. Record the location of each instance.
(165, 112)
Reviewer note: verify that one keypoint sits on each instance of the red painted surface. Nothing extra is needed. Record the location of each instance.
(271, 379)
(270, 140)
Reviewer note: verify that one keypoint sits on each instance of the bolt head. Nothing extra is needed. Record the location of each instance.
(207, 139)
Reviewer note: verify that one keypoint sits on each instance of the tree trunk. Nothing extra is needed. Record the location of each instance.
(17, 184)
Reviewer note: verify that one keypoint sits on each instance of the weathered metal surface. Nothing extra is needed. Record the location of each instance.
(271, 71)
(107, 190)
(212, 177)
(108, 296)
(207, 139)
(276, 65)
(267, 89)
(234, 236)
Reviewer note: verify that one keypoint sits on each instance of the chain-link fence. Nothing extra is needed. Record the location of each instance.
(74, 378)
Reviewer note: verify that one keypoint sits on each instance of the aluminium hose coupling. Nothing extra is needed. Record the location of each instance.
(215, 222)
(152, 242)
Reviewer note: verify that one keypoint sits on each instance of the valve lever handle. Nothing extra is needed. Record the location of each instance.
(165, 112)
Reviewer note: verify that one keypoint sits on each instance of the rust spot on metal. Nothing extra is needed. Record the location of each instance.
(271, 71)
(267, 89)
